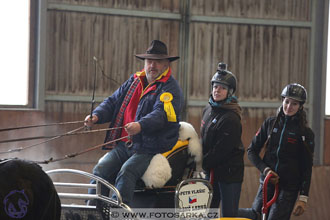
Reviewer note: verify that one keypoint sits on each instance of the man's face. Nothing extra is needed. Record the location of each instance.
(154, 68)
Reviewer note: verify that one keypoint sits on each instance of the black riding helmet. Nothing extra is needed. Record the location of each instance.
(295, 91)
(224, 77)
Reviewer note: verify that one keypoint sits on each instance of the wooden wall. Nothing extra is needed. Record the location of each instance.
(17, 118)
(145, 5)
(326, 155)
(263, 57)
(270, 9)
(75, 38)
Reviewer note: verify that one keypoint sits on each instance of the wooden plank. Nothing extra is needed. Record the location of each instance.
(147, 5)
(295, 10)
(326, 154)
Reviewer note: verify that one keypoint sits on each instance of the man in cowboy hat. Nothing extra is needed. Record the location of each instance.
(148, 107)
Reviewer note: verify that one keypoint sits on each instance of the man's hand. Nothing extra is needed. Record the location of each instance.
(275, 178)
(133, 128)
(299, 208)
(90, 121)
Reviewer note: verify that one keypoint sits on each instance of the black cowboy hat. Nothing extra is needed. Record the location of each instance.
(157, 50)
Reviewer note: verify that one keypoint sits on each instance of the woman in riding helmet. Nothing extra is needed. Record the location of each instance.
(223, 150)
(289, 147)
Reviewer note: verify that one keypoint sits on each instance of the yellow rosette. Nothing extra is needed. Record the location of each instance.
(167, 97)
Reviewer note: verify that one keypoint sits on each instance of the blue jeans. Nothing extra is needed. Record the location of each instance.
(281, 209)
(228, 194)
(122, 167)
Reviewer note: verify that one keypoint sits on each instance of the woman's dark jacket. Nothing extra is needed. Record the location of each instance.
(223, 150)
(289, 152)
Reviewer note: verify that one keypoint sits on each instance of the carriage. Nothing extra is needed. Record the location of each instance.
(169, 184)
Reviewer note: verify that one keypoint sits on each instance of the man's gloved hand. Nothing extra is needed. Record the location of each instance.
(299, 208)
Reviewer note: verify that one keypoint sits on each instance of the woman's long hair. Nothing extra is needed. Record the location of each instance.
(301, 118)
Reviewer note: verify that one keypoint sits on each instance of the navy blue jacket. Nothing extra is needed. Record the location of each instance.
(157, 135)
(289, 152)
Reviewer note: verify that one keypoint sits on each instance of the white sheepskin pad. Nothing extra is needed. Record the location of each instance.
(158, 172)
(186, 132)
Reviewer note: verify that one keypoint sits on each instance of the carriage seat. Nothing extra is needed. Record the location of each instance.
(168, 167)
